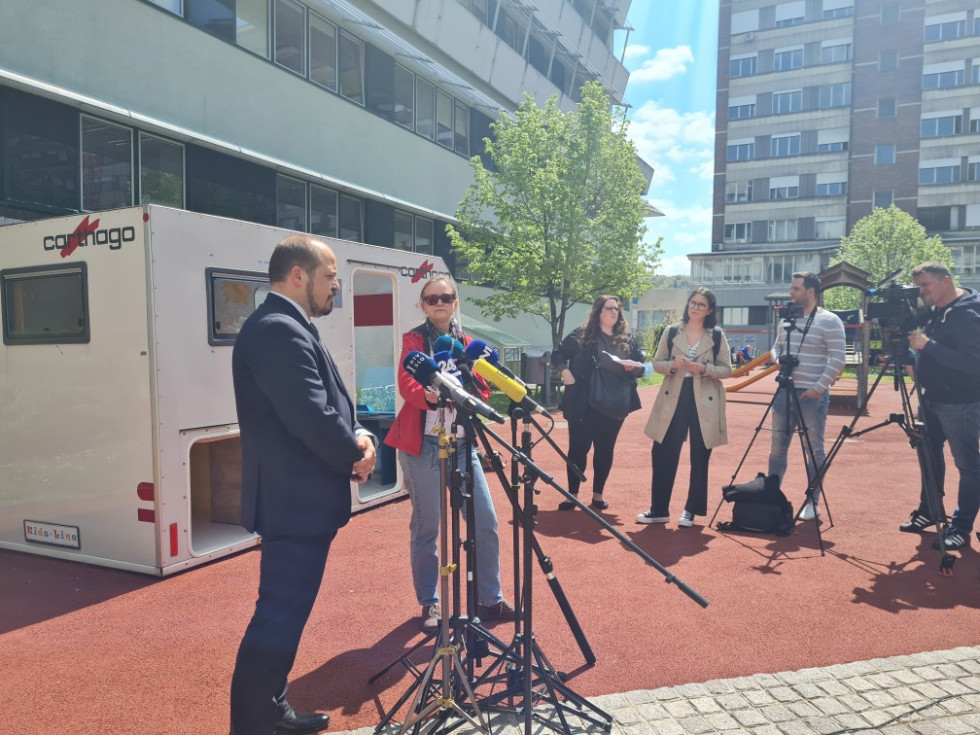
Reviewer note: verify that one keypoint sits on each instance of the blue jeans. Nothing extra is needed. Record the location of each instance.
(814, 412)
(422, 480)
(959, 425)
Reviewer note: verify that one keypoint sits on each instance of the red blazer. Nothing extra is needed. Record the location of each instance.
(406, 431)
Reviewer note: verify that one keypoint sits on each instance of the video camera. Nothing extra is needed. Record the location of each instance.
(898, 313)
(789, 312)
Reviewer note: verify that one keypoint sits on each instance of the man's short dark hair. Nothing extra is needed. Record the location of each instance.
(933, 268)
(810, 280)
(301, 250)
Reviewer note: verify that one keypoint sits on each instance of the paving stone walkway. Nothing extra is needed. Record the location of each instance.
(934, 693)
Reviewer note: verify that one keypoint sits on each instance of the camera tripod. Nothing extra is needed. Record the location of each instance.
(918, 435)
(787, 391)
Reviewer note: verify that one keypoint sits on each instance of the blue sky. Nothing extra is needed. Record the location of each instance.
(671, 54)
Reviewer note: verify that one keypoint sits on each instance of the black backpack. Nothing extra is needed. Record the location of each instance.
(759, 506)
(715, 337)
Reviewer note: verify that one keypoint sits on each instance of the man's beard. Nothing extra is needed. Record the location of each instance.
(315, 310)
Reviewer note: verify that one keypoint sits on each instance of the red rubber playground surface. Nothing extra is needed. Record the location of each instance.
(88, 650)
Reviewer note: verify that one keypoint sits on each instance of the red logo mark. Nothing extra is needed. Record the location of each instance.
(84, 229)
(422, 271)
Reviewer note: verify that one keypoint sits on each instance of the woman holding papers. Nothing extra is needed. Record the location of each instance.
(604, 342)
(694, 356)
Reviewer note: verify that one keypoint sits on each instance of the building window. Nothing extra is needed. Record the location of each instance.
(252, 26)
(973, 171)
(975, 125)
(887, 107)
(828, 229)
(404, 230)
(944, 79)
(831, 188)
(835, 95)
(944, 31)
(351, 66)
(107, 165)
(942, 173)
(784, 145)
(882, 198)
(425, 109)
(835, 54)
(888, 60)
(161, 171)
(461, 129)
(323, 52)
(290, 203)
(230, 187)
(784, 188)
(214, 16)
(425, 240)
(784, 103)
(174, 6)
(782, 230)
(444, 119)
(351, 220)
(975, 74)
(937, 127)
(291, 36)
(890, 13)
(843, 12)
(935, 219)
(740, 152)
(738, 191)
(884, 154)
(738, 232)
(744, 67)
(323, 211)
(741, 112)
(404, 113)
(790, 14)
(788, 59)
(46, 305)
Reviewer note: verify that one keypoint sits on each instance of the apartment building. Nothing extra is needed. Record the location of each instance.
(826, 109)
(346, 118)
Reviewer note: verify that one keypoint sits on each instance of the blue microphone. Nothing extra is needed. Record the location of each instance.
(480, 350)
(426, 372)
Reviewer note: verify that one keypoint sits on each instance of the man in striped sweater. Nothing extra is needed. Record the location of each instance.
(817, 341)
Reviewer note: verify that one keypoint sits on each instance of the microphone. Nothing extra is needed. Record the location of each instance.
(517, 392)
(480, 350)
(426, 372)
(446, 364)
(453, 347)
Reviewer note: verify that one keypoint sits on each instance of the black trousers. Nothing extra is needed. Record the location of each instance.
(666, 455)
(290, 573)
(593, 431)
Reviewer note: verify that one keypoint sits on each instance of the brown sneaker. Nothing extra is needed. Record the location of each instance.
(499, 611)
(431, 618)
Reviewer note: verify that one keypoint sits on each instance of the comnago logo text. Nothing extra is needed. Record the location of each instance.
(88, 234)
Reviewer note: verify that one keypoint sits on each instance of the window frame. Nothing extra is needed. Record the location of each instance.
(213, 274)
(10, 275)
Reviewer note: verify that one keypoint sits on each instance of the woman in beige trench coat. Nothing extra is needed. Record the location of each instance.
(693, 356)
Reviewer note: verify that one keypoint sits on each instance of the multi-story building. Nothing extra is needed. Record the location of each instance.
(826, 109)
(347, 118)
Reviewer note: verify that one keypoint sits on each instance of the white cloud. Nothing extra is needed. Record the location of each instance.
(666, 63)
(635, 50)
(677, 265)
(662, 134)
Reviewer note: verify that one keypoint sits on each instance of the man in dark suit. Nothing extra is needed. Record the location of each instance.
(301, 447)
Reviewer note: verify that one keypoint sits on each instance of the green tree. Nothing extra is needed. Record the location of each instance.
(559, 220)
(882, 243)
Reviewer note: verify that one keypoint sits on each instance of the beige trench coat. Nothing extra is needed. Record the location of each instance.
(709, 392)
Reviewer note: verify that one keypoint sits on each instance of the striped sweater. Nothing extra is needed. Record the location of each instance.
(821, 352)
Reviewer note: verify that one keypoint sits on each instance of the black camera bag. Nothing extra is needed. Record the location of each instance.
(758, 506)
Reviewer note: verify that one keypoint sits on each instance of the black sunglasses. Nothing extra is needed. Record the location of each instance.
(445, 298)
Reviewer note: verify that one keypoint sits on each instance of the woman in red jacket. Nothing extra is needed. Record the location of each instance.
(411, 433)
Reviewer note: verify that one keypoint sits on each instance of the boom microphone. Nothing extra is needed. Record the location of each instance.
(515, 391)
(426, 372)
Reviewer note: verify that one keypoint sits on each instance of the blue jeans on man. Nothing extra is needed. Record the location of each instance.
(814, 414)
(957, 424)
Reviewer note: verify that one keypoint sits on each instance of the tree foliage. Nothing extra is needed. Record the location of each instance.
(883, 242)
(559, 221)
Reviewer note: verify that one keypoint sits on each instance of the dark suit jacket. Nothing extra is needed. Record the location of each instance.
(297, 426)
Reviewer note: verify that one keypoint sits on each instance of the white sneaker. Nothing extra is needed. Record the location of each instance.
(808, 513)
(431, 618)
(686, 519)
(648, 517)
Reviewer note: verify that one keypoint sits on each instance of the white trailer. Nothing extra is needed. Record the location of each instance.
(119, 433)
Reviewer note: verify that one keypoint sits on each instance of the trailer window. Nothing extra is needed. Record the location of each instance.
(232, 297)
(45, 305)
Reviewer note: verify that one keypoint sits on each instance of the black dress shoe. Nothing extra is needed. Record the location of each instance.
(300, 723)
(567, 505)
(599, 504)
